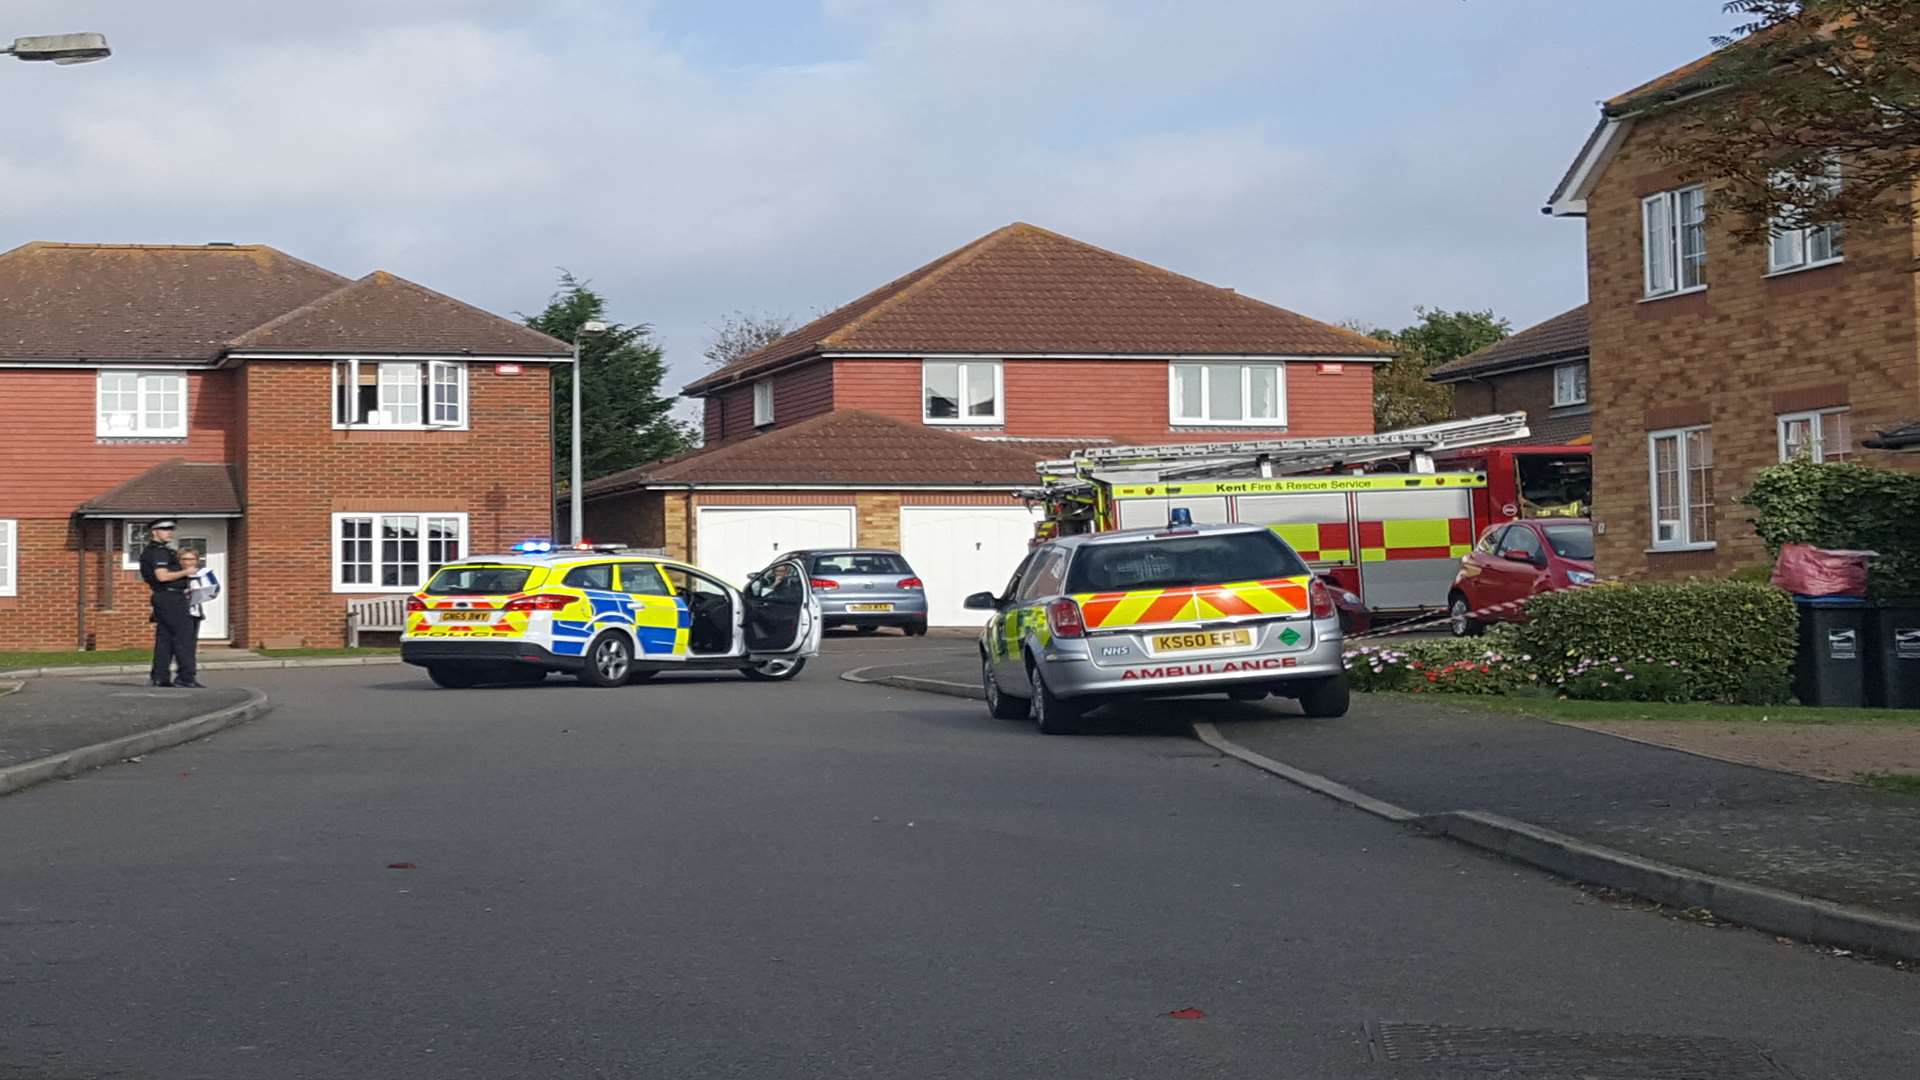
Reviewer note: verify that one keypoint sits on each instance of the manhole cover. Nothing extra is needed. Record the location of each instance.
(1585, 1055)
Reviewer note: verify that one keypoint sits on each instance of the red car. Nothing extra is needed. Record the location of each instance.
(1515, 561)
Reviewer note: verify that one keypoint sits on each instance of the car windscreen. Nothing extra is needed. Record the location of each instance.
(478, 580)
(1570, 541)
(1169, 561)
(860, 562)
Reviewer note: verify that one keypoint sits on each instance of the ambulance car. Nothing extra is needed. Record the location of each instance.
(606, 617)
(1186, 609)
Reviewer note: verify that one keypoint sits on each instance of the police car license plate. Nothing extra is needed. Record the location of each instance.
(466, 616)
(1201, 639)
(869, 607)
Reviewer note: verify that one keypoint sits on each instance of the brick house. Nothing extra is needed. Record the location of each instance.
(1541, 371)
(320, 438)
(1711, 358)
(909, 417)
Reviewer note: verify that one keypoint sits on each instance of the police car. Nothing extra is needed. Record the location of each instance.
(1189, 609)
(607, 616)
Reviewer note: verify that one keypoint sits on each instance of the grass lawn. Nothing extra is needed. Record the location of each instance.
(1907, 783)
(1604, 711)
(11, 660)
(280, 654)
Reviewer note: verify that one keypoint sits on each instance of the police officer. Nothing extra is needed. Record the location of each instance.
(175, 634)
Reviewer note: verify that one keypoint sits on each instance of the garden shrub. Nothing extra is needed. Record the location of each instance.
(1728, 639)
(1848, 507)
(1452, 666)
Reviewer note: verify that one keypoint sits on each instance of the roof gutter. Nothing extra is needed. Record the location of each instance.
(1528, 364)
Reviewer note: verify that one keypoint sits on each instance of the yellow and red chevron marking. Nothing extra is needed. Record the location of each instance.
(1116, 610)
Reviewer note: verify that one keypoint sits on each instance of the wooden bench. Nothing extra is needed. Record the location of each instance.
(381, 614)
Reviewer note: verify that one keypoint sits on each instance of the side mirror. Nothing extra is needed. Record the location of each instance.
(981, 601)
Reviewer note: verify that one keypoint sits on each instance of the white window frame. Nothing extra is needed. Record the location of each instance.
(423, 563)
(1800, 241)
(1175, 419)
(129, 561)
(964, 367)
(429, 375)
(1816, 421)
(763, 403)
(147, 384)
(9, 557)
(1662, 264)
(1682, 540)
(1561, 402)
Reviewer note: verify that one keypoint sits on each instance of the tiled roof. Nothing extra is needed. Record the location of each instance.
(1564, 335)
(1023, 289)
(175, 486)
(144, 301)
(1560, 430)
(385, 313)
(846, 447)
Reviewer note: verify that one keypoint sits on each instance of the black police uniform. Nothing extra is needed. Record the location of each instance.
(175, 634)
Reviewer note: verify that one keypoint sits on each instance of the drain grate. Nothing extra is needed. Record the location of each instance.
(1586, 1055)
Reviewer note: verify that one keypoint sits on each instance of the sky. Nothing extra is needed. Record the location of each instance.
(1347, 159)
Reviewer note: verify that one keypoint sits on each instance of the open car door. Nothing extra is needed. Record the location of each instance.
(782, 617)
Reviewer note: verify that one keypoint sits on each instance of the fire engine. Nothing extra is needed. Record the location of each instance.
(1386, 516)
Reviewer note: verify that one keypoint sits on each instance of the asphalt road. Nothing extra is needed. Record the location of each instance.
(705, 877)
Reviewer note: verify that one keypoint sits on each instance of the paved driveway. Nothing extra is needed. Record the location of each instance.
(709, 877)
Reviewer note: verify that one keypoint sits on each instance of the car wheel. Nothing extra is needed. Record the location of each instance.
(1457, 619)
(1002, 705)
(918, 629)
(609, 661)
(1326, 698)
(1051, 715)
(869, 628)
(453, 676)
(778, 669)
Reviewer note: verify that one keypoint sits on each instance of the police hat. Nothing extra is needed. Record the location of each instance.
(160, 523)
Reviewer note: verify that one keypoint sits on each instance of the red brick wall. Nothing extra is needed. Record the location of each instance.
(1126, 399)
(1734, 356)
(797, 394)
(300, 471)
(51, 460)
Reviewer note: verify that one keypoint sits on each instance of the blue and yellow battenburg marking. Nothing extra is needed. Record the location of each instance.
(659, 624)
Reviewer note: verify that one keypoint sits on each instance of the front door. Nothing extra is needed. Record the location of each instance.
(208, 536)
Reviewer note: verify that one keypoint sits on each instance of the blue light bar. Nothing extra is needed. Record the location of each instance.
(1179, 516)
(533, 547)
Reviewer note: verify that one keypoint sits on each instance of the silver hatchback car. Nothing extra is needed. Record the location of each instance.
(1189, 609)
(866, 588)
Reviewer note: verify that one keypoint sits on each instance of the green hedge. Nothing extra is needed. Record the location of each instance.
(1733, 641)
(1845, 506)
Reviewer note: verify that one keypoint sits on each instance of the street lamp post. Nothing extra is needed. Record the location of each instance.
(575, 496)
(60, 48)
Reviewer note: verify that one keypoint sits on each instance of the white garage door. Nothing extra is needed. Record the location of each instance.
(735, 541)
(958, 550)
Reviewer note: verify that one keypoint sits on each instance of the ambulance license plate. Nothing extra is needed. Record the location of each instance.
(466, 616)
(1201, 639)
(869, 607)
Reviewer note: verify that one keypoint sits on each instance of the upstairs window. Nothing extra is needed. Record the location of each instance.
(1207, 395)
(1570, 385)
(1822, 435)
(1674, 232)
(954, 392)
(762, 404)
(142, 405)
(1802, 249)
(400, 393)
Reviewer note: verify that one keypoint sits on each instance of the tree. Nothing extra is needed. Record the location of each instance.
(626, 421)
(1799, 87)
(744, 332)
(1402, 396)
